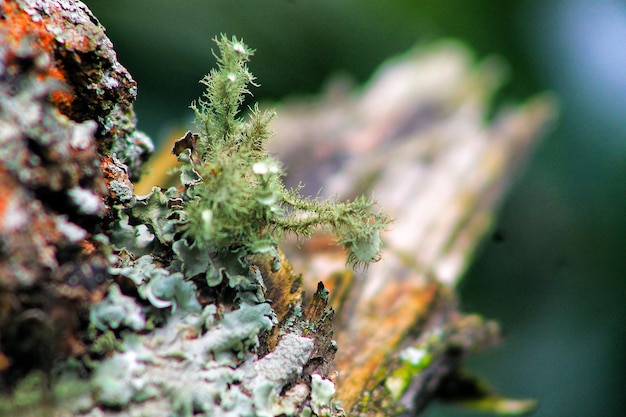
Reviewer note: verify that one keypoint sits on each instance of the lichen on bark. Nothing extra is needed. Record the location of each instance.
(65, 117)
(179, 302)
(212, 254)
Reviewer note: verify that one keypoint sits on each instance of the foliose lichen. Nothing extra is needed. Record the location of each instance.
(191, 273)
(117, 310)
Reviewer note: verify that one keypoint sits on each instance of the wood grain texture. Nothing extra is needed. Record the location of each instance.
(418, 139)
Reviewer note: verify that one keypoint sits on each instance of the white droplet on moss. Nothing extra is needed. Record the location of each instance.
(231, 77)
(207, 219)
(239, 48)
(260, 168)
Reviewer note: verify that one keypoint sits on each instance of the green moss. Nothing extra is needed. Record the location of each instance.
(235, 197)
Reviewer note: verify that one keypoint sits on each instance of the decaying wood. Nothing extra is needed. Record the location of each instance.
(418, 139)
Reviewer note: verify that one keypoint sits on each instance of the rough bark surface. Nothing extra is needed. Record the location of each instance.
(416, 137)
(67, 133)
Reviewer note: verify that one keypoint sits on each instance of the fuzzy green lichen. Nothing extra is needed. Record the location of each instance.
(188, 276)
(237, 198)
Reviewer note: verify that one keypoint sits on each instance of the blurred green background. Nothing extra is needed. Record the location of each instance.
(553, 271)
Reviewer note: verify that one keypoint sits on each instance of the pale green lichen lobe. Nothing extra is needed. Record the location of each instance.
(322, 391)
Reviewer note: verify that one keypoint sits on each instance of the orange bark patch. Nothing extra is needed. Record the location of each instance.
(362, 352)
(17, 27)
